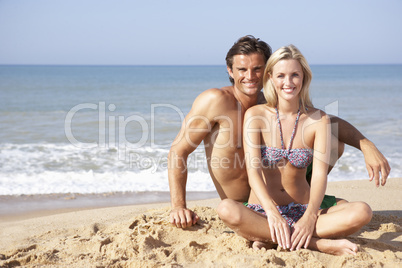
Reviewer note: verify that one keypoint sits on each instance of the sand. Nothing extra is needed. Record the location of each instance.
(140, 236)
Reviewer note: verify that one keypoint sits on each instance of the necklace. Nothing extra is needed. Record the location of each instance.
(280, 129)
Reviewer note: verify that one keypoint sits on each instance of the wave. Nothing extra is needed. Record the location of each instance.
(90, 182)
(65, 168)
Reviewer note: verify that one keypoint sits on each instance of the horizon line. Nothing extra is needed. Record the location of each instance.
(176, 65)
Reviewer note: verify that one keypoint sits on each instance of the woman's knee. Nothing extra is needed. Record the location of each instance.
(361, 214)
(367, 212)
(229, 212)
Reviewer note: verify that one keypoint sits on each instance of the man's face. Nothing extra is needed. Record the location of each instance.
(247, 73)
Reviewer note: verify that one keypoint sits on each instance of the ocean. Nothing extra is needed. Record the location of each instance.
(108, 129)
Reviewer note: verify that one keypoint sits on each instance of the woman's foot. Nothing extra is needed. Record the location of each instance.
(334, 246)
(257, 245)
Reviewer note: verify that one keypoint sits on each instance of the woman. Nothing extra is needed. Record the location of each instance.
(278, 141)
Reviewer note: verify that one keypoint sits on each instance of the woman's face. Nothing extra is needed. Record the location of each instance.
(287, 78)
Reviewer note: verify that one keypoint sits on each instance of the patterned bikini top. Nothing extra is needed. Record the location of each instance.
(300, 157)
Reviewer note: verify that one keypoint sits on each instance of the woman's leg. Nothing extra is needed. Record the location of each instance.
(342, 220)
(244, 221)
(339, 221)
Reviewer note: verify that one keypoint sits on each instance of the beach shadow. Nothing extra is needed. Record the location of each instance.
(385, 230)
(384, 245)
(396, 213)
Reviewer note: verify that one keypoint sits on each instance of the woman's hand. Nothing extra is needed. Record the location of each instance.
(303, 231)
(279, 229)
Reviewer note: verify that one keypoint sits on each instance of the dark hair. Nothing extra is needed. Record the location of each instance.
(247, 45)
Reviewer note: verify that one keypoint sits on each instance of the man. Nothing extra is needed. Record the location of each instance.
(216, 118)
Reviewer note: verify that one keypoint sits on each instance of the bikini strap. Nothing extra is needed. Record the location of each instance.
(280, 129)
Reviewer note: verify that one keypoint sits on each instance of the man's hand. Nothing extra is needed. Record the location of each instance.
(376, 163)
(183, 217)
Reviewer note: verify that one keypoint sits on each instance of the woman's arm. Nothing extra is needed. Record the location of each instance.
(254, 124)
(304, 228)
(322, 151)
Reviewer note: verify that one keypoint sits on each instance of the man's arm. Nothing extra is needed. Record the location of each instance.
(376, 163)
(196, 126)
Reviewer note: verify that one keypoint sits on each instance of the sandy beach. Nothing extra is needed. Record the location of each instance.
(140, 236)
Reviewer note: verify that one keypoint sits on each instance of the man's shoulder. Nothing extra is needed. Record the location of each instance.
(217, 95)
(224, 91)
(213, 102)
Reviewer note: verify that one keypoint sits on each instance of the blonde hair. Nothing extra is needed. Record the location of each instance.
(288, 53)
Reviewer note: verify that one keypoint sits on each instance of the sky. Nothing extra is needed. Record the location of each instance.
(178, 32)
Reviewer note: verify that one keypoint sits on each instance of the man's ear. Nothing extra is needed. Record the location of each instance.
(230, 72)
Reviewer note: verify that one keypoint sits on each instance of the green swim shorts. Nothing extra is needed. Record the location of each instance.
(328, 201)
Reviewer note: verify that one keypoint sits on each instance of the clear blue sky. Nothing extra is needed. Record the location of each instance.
(149, 32)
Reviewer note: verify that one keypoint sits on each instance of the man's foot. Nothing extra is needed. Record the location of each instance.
(257, 245)
(335, 246)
